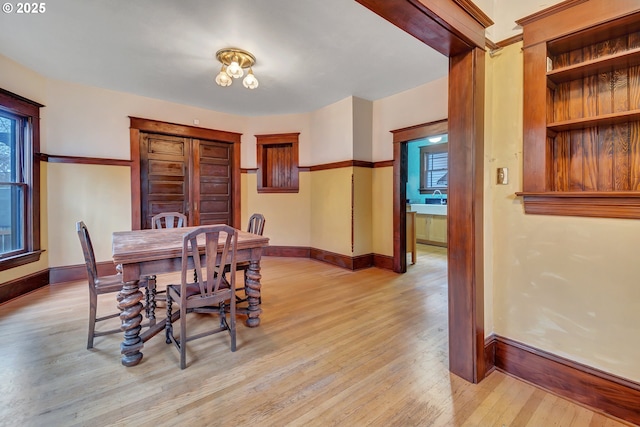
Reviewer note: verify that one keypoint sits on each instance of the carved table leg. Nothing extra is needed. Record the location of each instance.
(252, 289)
(150, 300)
(130, 306)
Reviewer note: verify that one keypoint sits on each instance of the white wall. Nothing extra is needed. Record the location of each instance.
(426, 103)
(505, 13)
(567, 285)
(332, 132)
(362, 129)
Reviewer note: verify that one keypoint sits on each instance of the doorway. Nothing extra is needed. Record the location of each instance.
(455, 29)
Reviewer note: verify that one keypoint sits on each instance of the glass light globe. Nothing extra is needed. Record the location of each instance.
(223, 79)
(250, 82)
(235, 70)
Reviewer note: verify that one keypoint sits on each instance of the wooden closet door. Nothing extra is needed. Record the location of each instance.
(212, 175)
(164, 175)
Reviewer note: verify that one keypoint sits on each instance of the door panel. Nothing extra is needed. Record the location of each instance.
(186, 175)
(214, 175)
(164, 175)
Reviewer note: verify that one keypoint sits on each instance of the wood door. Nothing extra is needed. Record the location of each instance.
(186, 175)
(212, 195)
(164, 175)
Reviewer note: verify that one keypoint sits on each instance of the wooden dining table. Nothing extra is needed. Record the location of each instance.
(141, 254)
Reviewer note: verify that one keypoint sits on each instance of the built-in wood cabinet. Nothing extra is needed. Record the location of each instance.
(431, 229)
(187, 169)
(582, 109)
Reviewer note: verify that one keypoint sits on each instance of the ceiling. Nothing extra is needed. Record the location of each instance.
(309, 53)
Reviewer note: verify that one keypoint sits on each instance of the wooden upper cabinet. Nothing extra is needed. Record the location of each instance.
(277, 158)
(582, 109)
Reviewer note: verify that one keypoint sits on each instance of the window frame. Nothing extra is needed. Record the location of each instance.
(424, 152)
(30, 112)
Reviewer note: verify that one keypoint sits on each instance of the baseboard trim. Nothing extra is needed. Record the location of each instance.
(70, 273)
(383, 261)
(592, 387)
(358, 262)
(344, 261)
(23, 285)
(286, 251)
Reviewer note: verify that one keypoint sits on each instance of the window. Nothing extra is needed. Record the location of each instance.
(434, 167)
(19, 181)
(277, 163)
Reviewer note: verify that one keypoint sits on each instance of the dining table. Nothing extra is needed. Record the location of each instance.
(140, 255)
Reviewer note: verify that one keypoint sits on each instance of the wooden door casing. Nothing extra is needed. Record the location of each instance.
(208, 155)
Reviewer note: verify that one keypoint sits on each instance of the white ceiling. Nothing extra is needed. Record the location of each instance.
(310, 53)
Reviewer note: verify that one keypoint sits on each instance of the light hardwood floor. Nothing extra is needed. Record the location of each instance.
(335, 347)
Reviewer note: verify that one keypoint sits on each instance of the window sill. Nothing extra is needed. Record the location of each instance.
(613, 204)
(18, 260)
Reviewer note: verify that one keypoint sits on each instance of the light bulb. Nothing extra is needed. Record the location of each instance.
(235, 70)
(250, 82)
(223, 78)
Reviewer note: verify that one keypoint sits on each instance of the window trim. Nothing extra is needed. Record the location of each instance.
(432, 149)
(30, 110)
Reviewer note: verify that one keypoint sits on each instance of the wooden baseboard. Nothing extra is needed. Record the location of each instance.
(333, 258)
(597, 389)
(23, 285)
(383, 261)
(286, 251)
(344, 261)
(78, 272)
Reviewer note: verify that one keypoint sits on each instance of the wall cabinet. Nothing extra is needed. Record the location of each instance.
(431, 229)
(582, 110)
(186, 169)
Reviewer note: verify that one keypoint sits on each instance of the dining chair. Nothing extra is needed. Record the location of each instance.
(255, 226)
(165, 220)
(211, 291)
(169, 220)
(99, 285)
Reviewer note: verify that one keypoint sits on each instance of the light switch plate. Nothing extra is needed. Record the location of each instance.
(503, 176)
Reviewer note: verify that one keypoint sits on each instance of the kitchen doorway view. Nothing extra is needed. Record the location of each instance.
(426, 200)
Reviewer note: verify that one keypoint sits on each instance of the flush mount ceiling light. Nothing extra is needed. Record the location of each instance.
(234, 61)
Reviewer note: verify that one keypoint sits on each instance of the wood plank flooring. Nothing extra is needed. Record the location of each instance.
(335, 347)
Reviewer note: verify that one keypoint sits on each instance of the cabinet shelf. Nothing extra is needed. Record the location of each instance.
(582, 118)
(602, 120)
(610, 204)
(605, 64)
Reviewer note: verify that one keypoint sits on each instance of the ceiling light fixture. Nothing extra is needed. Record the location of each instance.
(234, 61)
(435, 139)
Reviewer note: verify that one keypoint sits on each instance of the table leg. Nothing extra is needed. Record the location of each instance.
(131, 308)
(252, 289)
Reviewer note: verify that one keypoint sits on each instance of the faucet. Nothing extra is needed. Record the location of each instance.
(442, 200)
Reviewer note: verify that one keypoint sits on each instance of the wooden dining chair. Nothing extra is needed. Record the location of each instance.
(255, 226)
(211, 292)
(169, 220)
(99, 285)
(165, 220)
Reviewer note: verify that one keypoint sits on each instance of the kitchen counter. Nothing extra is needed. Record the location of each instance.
(429, 209)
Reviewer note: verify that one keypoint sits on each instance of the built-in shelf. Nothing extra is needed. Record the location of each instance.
(605, 64)
(602, 120)
(610, 204)
(582, 114)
